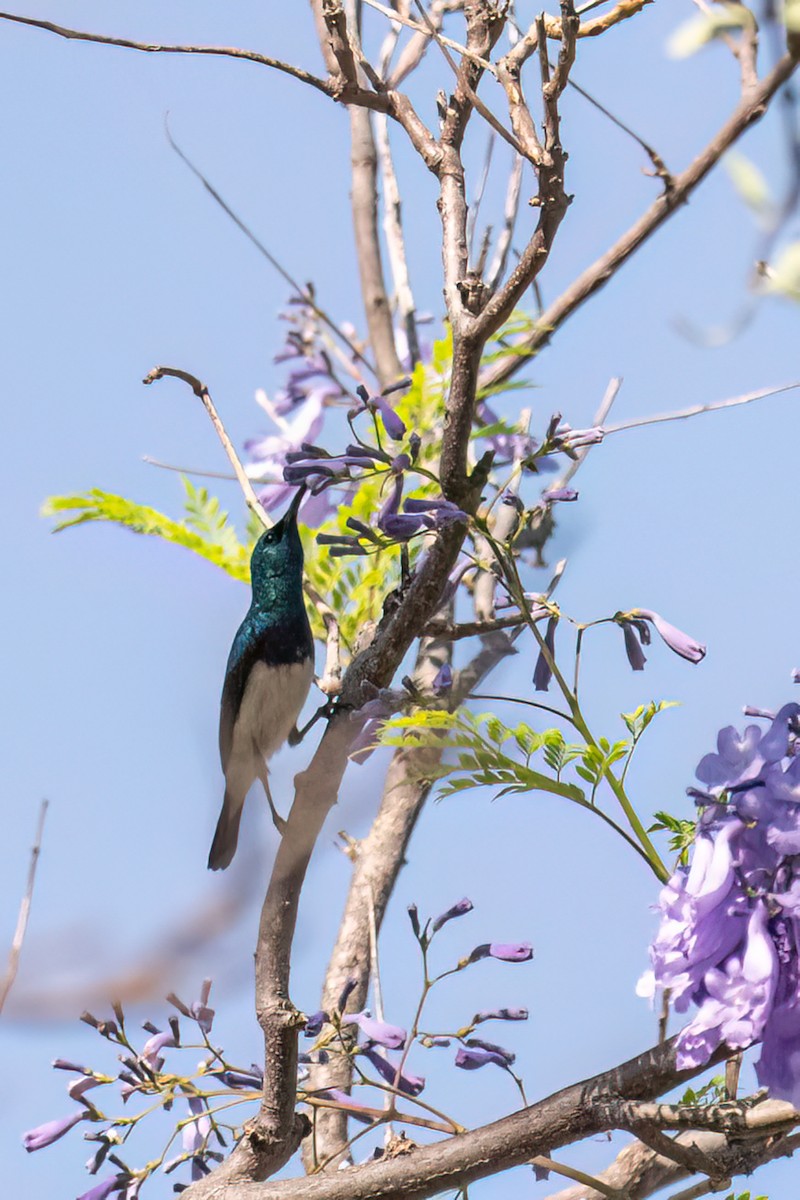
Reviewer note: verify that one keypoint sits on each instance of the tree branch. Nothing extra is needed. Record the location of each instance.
(578, 1111)
(263, 60)
(594, 277)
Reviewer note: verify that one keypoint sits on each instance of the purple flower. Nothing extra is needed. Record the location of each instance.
(505, 951)
(346, 992)
(459, 909)
(472, 1060)
(315, 1022)
(151, 1052)
(442, 680)
(542, 673)
(412, 1085)
(51, 1131)
(195, 1132)
(500, 1014)
(729, 937)
(680, 642)
(633, 646)
(391, 422)
(200, 1010)
(479, 1044)
(393, 1037)
(113, 1183)
(240, 1079)
(357, 1111)
(555, 494)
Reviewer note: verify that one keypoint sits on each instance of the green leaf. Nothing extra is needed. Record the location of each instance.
(750, 185)
(783, 276)
(705, 27)
(97, 505)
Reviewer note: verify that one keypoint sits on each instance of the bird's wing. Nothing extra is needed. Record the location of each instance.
(247, 649)
(259, 639)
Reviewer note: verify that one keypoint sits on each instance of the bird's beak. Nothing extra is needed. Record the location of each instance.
(291, 512)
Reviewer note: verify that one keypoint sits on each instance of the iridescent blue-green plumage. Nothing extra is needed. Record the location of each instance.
(268, 675)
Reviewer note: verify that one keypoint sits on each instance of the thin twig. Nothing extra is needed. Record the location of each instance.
(303, 292)
(697, 409)
(201, 391)
(153, 48)
(498, 265)
(24, 910)
(605, 267)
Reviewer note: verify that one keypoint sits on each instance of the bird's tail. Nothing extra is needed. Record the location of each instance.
(226, 834)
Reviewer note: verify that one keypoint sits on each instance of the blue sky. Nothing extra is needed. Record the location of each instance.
(115, 259)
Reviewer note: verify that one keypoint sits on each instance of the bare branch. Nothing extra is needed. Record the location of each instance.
(697, 409)
(498, 264)
(364, 203)
(395, 241)
(599, 273)
(24, 910)
(578, 1111)
(263, 60)
(304, 293)
(638, 1172)
(201, 391)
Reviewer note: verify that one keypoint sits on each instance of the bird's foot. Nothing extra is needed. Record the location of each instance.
(325, 710)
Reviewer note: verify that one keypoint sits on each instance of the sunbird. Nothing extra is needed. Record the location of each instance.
(267, 679)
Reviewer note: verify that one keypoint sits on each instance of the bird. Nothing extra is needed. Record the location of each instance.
(267, 679)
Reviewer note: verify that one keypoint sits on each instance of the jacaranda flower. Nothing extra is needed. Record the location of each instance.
(729, 938)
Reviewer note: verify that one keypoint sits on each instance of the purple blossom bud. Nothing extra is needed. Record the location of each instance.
(203, 1015)
(500, 1014)
(239, 1079)
(796, 675)
(541, 1174)
(391, 422)
(633, 648)
(78, 1086)
(412, 1085)
(505, 951)
(542, 673)
(472, 1060)
(492, 1047)
(414, 443)
(436, 1041)
(347, 990)
(443, 680)
(315, 1022)
(51, 1131)
(356, 1111)
(399, 464)
(393, 1037)
(63, 1064)
(680, 642)
(114, 1183)
(413, 916)
(554, 495)
(459, 909)
(151, 1052)
(195, 1132)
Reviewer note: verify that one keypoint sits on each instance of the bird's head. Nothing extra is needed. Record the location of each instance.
(278, 553)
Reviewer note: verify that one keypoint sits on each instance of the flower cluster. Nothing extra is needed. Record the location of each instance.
(298, 409)
(203, 1125)
(729, 939)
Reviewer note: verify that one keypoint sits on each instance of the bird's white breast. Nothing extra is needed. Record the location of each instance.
(271, 705)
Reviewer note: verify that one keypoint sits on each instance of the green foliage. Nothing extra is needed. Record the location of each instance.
(637, 721)
(205, 531)
(744, 1196)
(712, 1092)
(481, 743)
(682, 833)
(706, 27)
(751, 186)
